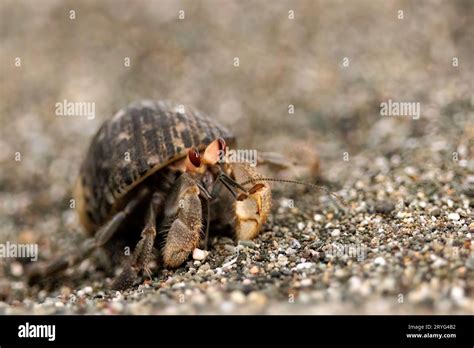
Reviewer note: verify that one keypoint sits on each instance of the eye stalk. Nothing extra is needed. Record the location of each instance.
(214, 151)
(193, 161)
(222, 145)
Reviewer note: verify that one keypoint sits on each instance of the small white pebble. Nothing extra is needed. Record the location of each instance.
(116, 306)
(282, 260)
(354, 283)
(454, 216)
(335, 233)
(301, 226)
(59, 304)
(318, 217)
(290, 251)
(227, 307)
(237, 297)
(411, 171)
(380, 261)
(230, 263)
(306, 282)
(439, 262)
(286, 203)
(304, 265)
(457, 294)
(199, 254)
(16, 269)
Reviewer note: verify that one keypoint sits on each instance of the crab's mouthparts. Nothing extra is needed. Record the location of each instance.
(230, 184)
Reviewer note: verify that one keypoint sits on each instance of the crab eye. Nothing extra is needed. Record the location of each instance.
(194, 157)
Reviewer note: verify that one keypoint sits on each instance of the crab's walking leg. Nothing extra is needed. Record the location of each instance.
(184, 211)
(144, 248)
(103, 235)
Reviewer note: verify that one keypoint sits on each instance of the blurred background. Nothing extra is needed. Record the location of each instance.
(289, 53)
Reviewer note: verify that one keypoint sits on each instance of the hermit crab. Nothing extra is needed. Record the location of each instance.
(154, 176)
(154, 180)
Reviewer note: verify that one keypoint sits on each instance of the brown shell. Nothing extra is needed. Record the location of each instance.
(132, 145)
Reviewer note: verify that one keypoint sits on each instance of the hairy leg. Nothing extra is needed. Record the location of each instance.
(40, 271)
(144, 249)
(183, 213)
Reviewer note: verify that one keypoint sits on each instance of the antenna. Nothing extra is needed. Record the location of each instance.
(339, 198)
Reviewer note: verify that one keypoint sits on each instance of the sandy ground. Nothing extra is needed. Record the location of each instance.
(402, 245)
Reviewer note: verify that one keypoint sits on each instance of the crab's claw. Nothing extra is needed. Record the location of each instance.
(251, 208)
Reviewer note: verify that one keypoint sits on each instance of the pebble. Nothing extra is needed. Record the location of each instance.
(335, 233)
(470, 262)
(84, 291)
(457, 294)
(439, 262)
(295, 244)
(199, 254)
(422, 293)
(237, 296)
(227, 307)
(290, 251)
(301, 226)
(318, 217)
(65, 291)
(248, 243)
(230, 263)
(304, 265)
(380, 261)
(254, 270)
(230, 248)
(178, 285)
(257, 298)
(205, 267)
(454, 216)
(384, 207)
(354, 284)
(282, 260)
(411, 171)
(16, 269)
(246, 281)
(116, 306)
